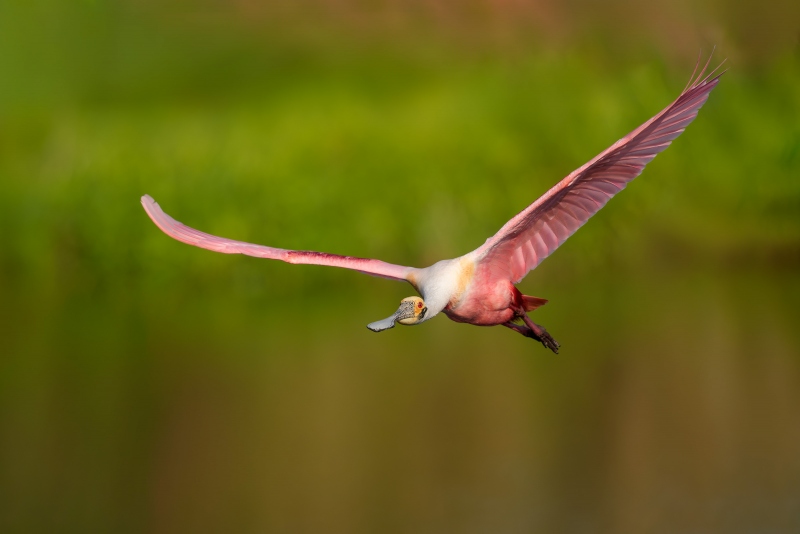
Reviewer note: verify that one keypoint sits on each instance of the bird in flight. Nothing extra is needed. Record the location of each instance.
(478, 287)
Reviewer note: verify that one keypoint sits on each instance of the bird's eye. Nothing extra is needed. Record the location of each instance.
(419, 305)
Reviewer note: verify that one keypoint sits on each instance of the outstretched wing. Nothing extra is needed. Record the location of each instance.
(181, 232)
(527, 239)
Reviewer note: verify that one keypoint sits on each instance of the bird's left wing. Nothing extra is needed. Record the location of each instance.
(532, 235)
(181, 232)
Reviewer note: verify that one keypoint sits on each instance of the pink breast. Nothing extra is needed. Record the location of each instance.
(483, 303)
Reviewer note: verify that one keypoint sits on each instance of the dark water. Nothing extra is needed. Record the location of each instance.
(673, 407)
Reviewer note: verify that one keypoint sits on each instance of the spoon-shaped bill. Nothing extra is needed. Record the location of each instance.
(384, 324)
(405, 312)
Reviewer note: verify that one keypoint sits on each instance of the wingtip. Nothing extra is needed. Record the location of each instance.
(150, 205)
(154, 211)
(704, 77)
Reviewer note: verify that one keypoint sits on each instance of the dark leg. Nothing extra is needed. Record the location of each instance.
(522, 329)
(541, 334)
(526, 331)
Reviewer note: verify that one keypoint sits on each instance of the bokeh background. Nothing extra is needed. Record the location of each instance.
(148, 386)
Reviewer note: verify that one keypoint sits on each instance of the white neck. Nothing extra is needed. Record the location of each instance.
(440, 282)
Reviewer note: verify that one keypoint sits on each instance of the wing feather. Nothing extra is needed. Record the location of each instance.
(555, 216)
(190, 236)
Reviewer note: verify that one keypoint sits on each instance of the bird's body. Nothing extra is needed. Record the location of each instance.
(467, 294)
(477, 299)
(478, 288)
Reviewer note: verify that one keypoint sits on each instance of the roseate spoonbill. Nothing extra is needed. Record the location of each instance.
(478, 288)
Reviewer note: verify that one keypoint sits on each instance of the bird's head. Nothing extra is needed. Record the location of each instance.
(411, 311)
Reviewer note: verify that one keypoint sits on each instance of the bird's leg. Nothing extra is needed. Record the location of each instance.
(527, 331)
(540, 333)
(522, 329)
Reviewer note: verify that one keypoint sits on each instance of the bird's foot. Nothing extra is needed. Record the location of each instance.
(548, 341)
(534, 331)
(539, 333)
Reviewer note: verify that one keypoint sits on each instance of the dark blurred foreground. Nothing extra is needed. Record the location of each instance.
(150, 386)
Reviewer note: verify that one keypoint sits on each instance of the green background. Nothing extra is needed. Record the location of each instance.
(148, 386)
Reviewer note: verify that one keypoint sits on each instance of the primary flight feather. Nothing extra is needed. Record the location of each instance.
(478, 288)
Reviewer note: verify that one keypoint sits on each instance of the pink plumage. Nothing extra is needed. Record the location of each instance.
(478, 288)
(190, 236)
(527, 239)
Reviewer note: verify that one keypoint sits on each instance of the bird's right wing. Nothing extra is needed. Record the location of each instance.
(190, 236)
(527, 239)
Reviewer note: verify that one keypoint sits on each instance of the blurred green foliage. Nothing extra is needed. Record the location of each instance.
(408, 132)
(306, 149)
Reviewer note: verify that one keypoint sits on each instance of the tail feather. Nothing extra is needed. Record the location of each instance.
(531, 303)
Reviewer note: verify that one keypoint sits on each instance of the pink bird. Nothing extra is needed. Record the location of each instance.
(478, 288)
